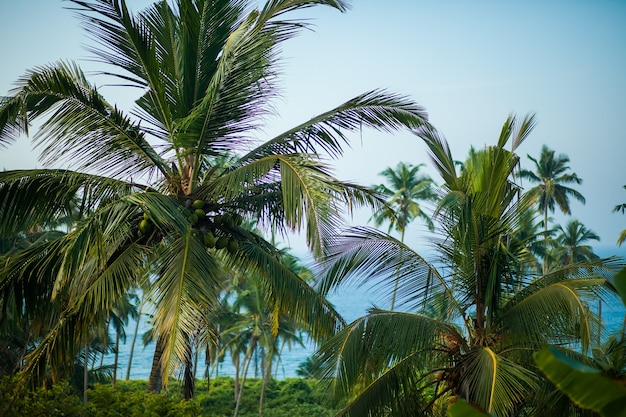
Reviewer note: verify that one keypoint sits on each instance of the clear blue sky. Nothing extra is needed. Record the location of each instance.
(470, 64)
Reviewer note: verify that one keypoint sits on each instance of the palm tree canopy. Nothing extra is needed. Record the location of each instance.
(206, 72)
(404, 190)
(571, 241)
(552, 179)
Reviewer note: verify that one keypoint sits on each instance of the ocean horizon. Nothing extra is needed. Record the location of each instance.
(351, 302)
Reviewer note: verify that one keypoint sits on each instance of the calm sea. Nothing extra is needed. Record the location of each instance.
(351, 303)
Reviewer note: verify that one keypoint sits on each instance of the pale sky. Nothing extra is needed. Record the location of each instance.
(470, 64)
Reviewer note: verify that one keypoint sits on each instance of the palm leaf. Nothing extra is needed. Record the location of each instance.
(82, 129)
(363, 350)
(493, 382)
(586, 386)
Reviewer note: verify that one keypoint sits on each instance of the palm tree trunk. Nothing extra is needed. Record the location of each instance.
(117, 355)
(544, 266)
(86, 372)
(246, 365)
(395, 284)
(267, 373)
(132, 344)
(189, 383)
(155, 381)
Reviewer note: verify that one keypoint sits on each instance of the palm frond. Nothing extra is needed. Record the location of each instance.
(187, 280)
(284, 290)
(82, 128)
(366, 348)
(371, 257)
(376, 109)
(34, 197)
(495, 383)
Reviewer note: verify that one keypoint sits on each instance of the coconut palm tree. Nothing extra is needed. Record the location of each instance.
(495, 311)
(570, 243)
(552, 178)
(151, 180)
(622, 236)
(407, 188)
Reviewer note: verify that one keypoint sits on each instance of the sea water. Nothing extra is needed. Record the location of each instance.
(351, 302)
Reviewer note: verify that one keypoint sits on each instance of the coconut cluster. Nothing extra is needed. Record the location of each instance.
(219, 231)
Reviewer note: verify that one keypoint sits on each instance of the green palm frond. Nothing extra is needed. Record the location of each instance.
(367, 347)
(82, 129)
(186, 280)
(375, 258)
(23, 204)
(493, 382)
(285, 290)
(400, 390)
(376, 109)
(555, 313)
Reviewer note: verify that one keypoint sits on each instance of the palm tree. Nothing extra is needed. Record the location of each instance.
(552, 179)
(407, 188)
(151, 179)
(495, 311)
(570, 243)
(622, 236)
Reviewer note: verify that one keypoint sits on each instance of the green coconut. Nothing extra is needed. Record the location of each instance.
(209, 239)
(198, 204)
(227, 220)
(192, 218)
(221, 242)
(145, 226)
(238, 218)
(233, 246)
(200, 213)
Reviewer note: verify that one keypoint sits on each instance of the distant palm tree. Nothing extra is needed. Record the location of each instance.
(622, 208)
(406, 187)
(552, 179)
(570, 243)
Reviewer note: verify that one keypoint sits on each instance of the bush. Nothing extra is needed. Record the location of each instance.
(286, 398)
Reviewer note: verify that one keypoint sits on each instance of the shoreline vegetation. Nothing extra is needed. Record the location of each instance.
(290, 397)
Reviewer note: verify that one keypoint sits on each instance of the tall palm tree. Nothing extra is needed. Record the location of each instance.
(151, 179)
(407, 188)
(552, 178)
(496, 310)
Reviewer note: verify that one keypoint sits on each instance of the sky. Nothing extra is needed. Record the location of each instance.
(470, 64)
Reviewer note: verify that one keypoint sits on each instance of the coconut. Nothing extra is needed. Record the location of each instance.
(221, 242)
(145, 216)
(200, 213)
(227, 220)
(233, 246)
(238, 218)
(192, 218)
(145, 226)
(209, 239)
(198, 204)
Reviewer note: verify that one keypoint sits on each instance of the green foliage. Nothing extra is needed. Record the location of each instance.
(588, 387)
(286, 398)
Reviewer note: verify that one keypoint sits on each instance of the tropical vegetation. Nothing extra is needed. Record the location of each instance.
(474, 314)
(161, 190)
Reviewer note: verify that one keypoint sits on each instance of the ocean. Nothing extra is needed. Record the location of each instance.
(350, 303)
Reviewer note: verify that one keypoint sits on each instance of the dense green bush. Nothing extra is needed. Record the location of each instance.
(285, 398)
